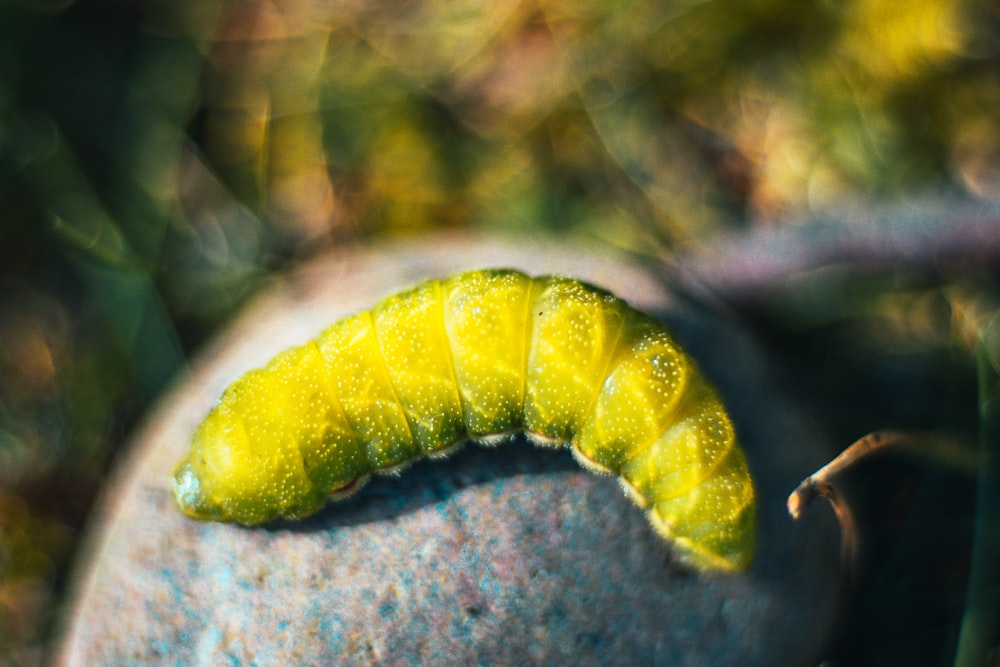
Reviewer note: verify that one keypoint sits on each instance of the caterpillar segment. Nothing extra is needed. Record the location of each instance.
(480, 355)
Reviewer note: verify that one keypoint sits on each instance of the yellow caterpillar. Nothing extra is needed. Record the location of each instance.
(480, 355)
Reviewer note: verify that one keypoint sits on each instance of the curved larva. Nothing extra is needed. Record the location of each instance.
(480, 355)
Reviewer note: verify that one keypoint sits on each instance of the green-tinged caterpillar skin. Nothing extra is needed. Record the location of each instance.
(480, 355)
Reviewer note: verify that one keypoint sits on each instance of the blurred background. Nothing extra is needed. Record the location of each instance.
(163, 160)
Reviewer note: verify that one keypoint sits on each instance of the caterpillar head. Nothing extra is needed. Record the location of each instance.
(230, 477)
(188, 492)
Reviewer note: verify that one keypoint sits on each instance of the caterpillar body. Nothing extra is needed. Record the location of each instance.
(480, 355)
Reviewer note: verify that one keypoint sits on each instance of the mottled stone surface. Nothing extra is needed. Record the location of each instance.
(505, 555)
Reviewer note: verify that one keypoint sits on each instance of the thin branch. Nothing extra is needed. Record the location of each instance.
(819, 484)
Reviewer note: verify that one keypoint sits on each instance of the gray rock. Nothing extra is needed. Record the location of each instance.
(503, 555)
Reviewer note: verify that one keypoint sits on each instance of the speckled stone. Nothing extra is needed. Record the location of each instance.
(499, 555)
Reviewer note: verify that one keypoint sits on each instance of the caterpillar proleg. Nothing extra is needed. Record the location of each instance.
(480, 355)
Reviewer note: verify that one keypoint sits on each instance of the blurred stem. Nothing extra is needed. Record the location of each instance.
(980, 623)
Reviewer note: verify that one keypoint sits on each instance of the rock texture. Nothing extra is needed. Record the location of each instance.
(505, 555)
